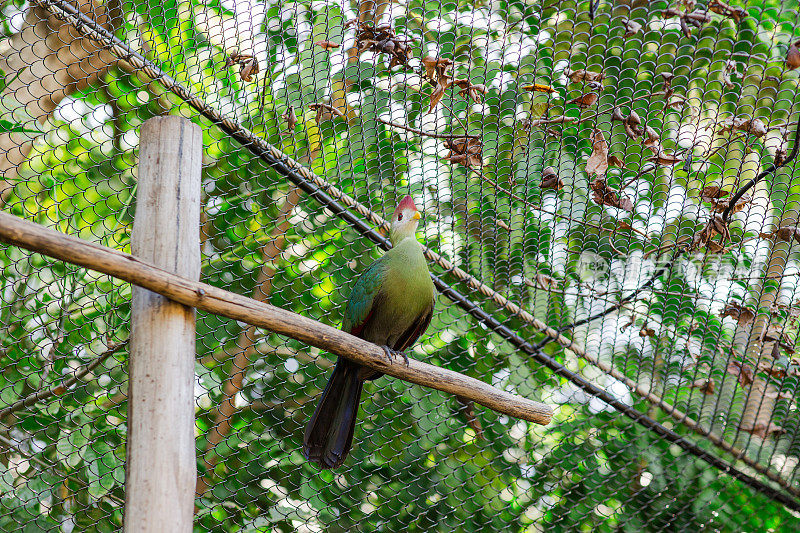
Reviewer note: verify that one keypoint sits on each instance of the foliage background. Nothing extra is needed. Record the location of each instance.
(419, 463)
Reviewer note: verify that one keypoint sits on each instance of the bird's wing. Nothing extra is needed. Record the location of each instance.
(414, 332)
(366, 292)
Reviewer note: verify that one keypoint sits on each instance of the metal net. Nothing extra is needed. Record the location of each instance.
(610, 206)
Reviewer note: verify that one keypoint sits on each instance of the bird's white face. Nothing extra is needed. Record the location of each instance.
(404, 221)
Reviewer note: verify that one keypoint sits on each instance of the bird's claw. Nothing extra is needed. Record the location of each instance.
(390, 354)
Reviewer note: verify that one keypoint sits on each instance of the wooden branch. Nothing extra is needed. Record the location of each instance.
(34, 237)
(61, 388)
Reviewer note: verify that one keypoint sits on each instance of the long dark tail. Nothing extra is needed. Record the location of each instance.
(329, 434)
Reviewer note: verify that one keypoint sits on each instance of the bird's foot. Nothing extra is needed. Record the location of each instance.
(391, 354)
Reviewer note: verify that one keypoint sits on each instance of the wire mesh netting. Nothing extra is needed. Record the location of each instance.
(610, 202)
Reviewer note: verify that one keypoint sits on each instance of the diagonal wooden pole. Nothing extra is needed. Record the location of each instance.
(124, 266)
(161, 469)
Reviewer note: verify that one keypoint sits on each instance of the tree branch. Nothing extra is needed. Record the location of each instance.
(61, 388)
(772, 168)
(426, 134)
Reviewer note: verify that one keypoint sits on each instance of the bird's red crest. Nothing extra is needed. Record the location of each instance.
(405, 203)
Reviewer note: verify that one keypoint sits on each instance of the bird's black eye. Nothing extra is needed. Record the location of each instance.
(399, 216)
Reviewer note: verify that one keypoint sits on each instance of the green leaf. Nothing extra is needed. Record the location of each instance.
(10, 127)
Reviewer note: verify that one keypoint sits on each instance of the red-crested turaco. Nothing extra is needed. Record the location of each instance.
(391, 305)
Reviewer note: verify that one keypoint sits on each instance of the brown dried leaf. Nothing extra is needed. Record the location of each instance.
(585, 100)
(676, 102)
(704, 384)
(435, 67)
(604, 195)
(647, 332)
(325, 112)
(465, 151)
(712, 193)
(687, 31)
(236, 57)
(291, 118)
(382, 39)
(580, 75)
(478, 89)
(785, 233)
(660, 156)
(722, 205)
(715, 226)
(623, 225)
(793, 56)
(742, 314)
(502, 224)
(721, 8)
(694, 18)
(438, 92)
(632, 28)
(770, 365)
(248, 69)
(401, 55)
(327, 45)
(791, 309)
(614, 161)
(744, 373)
(550, 179)
(438, 71)
(665, 158)
(653, 141)
(598, 160)
(543, 281)
(470, 90)
(721, 227)
(248, 66)
(632, 125)
(754, 126)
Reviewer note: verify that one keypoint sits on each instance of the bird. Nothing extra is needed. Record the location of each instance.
(391, 305)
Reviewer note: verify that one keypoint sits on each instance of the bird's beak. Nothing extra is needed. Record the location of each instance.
(416, 216)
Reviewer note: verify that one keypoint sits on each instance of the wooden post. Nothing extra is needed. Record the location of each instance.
(161, 470)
